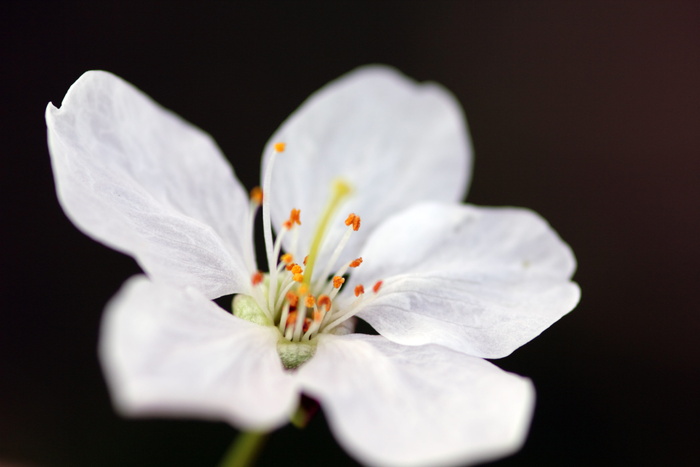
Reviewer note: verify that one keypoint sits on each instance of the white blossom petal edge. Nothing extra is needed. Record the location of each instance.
(359, 214)
(438, 406)
(172, 352)
(139, 179)
(505, 265)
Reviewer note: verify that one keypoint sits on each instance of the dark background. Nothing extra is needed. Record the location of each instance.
(587, 112)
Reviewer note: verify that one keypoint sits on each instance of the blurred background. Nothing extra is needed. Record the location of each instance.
(587, 112)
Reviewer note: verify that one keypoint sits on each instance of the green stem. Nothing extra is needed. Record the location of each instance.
(244, 451)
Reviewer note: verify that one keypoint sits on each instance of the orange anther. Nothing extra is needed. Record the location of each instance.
(291, 318)
(377, 286)
(359, 290)
(292, 298)
(310, 301)
(305, 258)
(294, 217)
(256, 195)
(296, 269)
(290, 266)
(298, 278)
(324, 301)
(279, 147)
(355, 263)
(287, 225)
(338, 281)
(287, 258)
(256, 278)
(353, 220)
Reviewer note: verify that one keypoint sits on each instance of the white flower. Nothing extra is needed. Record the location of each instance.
(446, 285)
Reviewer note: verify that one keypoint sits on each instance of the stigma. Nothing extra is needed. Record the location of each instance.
(298, 297)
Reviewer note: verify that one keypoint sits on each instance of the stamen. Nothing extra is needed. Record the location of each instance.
(313, 325)
(353, 264)
(310, 301)
(292, 318)
(351, 310)
(307, 323)
(297, 273)
(359, 290)
(287, 258)
(256, 195)
(354, 221)
(333, 287)
(285, 288)
(324, 301)
(299, 325)
(295, 240)
(294, 217)
(286, 284)
(256, 278)
(292, 298)
(350, 222)
(283, 318)
(267, 225)
(274, 271)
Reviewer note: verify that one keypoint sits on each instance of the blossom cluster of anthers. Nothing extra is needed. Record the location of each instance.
(297, 301)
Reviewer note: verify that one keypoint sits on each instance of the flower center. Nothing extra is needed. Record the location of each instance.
(298, 296)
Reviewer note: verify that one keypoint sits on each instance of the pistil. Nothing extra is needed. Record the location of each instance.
(340, 191)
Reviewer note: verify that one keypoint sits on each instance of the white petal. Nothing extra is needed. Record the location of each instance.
(393, 405)
(483, 281)
(394, 140)
(168, 351)
(140, 179)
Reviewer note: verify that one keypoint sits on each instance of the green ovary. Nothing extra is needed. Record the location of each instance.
(292, 354)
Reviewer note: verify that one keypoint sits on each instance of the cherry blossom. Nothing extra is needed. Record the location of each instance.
(361, 216)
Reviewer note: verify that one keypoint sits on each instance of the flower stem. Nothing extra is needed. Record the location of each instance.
(244, 450)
